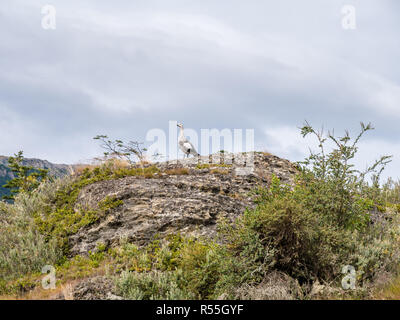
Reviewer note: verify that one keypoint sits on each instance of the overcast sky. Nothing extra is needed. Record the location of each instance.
(124, 67)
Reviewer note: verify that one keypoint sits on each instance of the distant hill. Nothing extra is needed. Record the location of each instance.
(55, 170)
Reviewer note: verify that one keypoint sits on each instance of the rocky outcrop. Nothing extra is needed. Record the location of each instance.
(95, 288)
(187, 196)
(275, 286)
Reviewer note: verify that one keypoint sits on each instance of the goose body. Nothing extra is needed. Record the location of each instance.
(185, 145)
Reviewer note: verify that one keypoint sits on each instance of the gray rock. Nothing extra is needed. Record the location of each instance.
(275, 286)
(96, 288)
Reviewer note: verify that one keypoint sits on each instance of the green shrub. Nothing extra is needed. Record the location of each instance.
(200, 268)
(151, 286)
(285, 235)
(23, 249)
(34, 230)
(177, 171)
(334, 187)
(59, 223)
(311, 229)
(26, 178)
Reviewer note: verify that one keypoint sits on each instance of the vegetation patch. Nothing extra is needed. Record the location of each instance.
(177, 171)
(219, 171)
(213, 165)
(62, 222)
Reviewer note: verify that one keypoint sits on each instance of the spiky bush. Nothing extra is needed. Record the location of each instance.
(152, 285)
(311, 229)
(23, 248)
(284, 234)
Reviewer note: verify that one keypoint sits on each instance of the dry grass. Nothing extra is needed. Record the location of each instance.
(177, 171)
(68, 291)
(389, 292)
(213, 165)
(67, 278)
(113, 163)
(80, 168)
(275, 286)
(219, 171)
(237, 196)
(62, 289)
(2, 298)
(119, 163)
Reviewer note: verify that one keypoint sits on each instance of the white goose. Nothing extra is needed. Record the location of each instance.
(184, 144)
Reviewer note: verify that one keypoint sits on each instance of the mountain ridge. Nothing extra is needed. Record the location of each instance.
(6, 174)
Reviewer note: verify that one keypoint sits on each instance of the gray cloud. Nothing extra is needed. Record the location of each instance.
(125, 67)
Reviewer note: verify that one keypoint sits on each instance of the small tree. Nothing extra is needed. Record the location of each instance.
(312, 228)
(132, 151)
(26, 178)
(334, 182)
